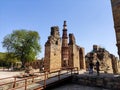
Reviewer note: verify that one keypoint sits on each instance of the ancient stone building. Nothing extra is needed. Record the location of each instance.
(116, 16)
(108, 62)
(36, 64)
(76, 54)
(61, 54)
(65, 53)
(52, 60)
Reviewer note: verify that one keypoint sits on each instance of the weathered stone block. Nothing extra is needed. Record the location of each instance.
(99, 82)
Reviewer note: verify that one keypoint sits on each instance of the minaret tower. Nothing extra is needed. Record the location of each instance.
(116, 18)
(65, 53)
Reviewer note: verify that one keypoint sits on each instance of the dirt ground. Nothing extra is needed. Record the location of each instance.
(8, 73)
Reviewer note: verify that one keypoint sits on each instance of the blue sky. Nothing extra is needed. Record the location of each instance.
(90, 21)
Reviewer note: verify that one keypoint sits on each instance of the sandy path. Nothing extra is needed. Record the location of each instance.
(6, 73)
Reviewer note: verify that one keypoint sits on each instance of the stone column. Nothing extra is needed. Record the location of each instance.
(116, 17)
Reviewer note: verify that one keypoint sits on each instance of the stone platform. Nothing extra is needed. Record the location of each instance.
(107, 81)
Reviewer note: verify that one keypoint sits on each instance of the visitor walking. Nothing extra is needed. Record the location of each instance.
(91, 67)
(97, 67)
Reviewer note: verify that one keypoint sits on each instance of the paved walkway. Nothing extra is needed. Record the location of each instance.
(7, 73)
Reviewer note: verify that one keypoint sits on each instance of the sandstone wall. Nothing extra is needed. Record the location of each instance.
(82, 58)
(52, 59)
(47, 58)
(76, 54)
(55, 58)
(74, 59)
(118, 66)
(116, 17)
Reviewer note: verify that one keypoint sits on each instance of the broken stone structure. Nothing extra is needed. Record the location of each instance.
(76, 54)
(108, 62)
(116, 17)
(52, 58)
(61, 54)
(36, 64)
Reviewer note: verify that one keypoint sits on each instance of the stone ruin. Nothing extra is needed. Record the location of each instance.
(52, 58)
(108, 62)
(115, 4)
(59, 53)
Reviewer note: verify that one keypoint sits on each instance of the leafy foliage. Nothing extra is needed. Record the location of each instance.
(6, 61)
(23, 44)
(2, 59)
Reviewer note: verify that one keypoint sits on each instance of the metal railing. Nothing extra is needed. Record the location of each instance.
(24, 83)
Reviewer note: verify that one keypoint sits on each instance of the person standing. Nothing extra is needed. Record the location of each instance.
(91, 67)
(97, 68)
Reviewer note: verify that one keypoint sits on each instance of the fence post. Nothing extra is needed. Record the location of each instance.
(14, 82)
(46, 74)
(59, 74)
(32, 78)
(25, 84)
(77, 71)
(71, 71)
(74, 70)
(44, 80)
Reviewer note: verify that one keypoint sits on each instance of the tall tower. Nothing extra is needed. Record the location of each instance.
(65, 53)
(116, 17)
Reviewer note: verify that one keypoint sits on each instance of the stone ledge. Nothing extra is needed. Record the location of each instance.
(109, 82)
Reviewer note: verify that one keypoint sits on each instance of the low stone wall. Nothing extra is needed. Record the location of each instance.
(107, 82)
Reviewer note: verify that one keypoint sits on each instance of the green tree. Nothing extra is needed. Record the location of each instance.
(2, 59)
(23, 44)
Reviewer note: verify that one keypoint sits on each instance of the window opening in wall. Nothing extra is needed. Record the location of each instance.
(56, 42)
